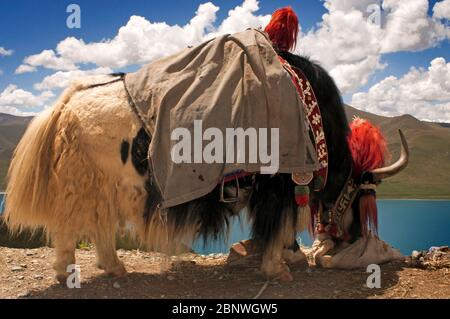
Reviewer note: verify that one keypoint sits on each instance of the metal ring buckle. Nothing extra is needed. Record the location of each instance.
(222, 192)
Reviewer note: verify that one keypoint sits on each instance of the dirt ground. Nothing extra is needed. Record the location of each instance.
(27, 273)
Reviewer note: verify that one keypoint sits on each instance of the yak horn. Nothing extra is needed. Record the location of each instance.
(386, 172)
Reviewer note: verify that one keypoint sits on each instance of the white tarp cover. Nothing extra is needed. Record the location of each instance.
(232, 81)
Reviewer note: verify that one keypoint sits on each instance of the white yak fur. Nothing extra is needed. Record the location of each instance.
(67, 175)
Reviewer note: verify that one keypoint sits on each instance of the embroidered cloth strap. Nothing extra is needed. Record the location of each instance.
(332, 222)
(314, 119)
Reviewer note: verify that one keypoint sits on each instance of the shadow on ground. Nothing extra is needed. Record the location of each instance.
(188, 280)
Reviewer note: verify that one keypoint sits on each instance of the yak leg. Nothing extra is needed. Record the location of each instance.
(65, 245)
(107, 259)
(273, 212)
(293, 254)
(273, 265)
(320, 248)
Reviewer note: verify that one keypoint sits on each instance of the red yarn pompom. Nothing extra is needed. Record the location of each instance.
(302, 200)
(367, 146)
(283, 29)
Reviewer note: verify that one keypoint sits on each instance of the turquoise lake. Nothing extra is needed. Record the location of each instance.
(405, 224)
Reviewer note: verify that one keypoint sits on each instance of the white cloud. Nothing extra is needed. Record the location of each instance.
(12, 96)
(16, 101)
(441, 10)
(350, 56)
(348, 5)
(62, 79)
(24, 68)
(47, 59)
(5, 52)
(15, 111)
(141, 41)
(423, 93)
(351, 46)
(138, 42)
(242, 17)
(409, 28)
(353, 75)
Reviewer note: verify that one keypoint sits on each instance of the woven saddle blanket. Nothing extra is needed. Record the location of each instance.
(196, 102)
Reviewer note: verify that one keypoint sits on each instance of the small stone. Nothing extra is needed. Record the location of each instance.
(30, 253)
(194, 281)
(163, 296)
(170, 278)
(415, 254)
(23, 265)
(38, 277)
(221, 277)
(17, 268)
(23, 295)
(20, 277)
(116, 285)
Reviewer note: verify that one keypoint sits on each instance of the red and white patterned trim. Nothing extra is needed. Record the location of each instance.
(314, 118)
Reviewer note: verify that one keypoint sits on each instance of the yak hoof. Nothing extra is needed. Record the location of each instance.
(62, 278)
(286, 277)
(117, 271)
(293, 257)
(326, 261)
(100, 266)
(279, 272)
(320, 249)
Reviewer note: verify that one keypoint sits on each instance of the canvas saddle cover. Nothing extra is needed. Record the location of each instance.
(232, 81)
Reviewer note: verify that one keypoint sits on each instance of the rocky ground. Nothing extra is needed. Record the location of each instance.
(28, 274)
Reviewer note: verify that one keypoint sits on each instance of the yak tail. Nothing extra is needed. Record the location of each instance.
(29, 198)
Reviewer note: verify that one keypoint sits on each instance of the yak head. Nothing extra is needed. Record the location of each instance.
(370, 154)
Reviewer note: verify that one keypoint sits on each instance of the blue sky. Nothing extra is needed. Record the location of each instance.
(28, 27)
(43, 23)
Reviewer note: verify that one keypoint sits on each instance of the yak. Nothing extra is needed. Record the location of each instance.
(81, 171)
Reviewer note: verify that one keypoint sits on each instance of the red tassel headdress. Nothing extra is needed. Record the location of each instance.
(283, 29)
(369, 150)
(367, 145)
